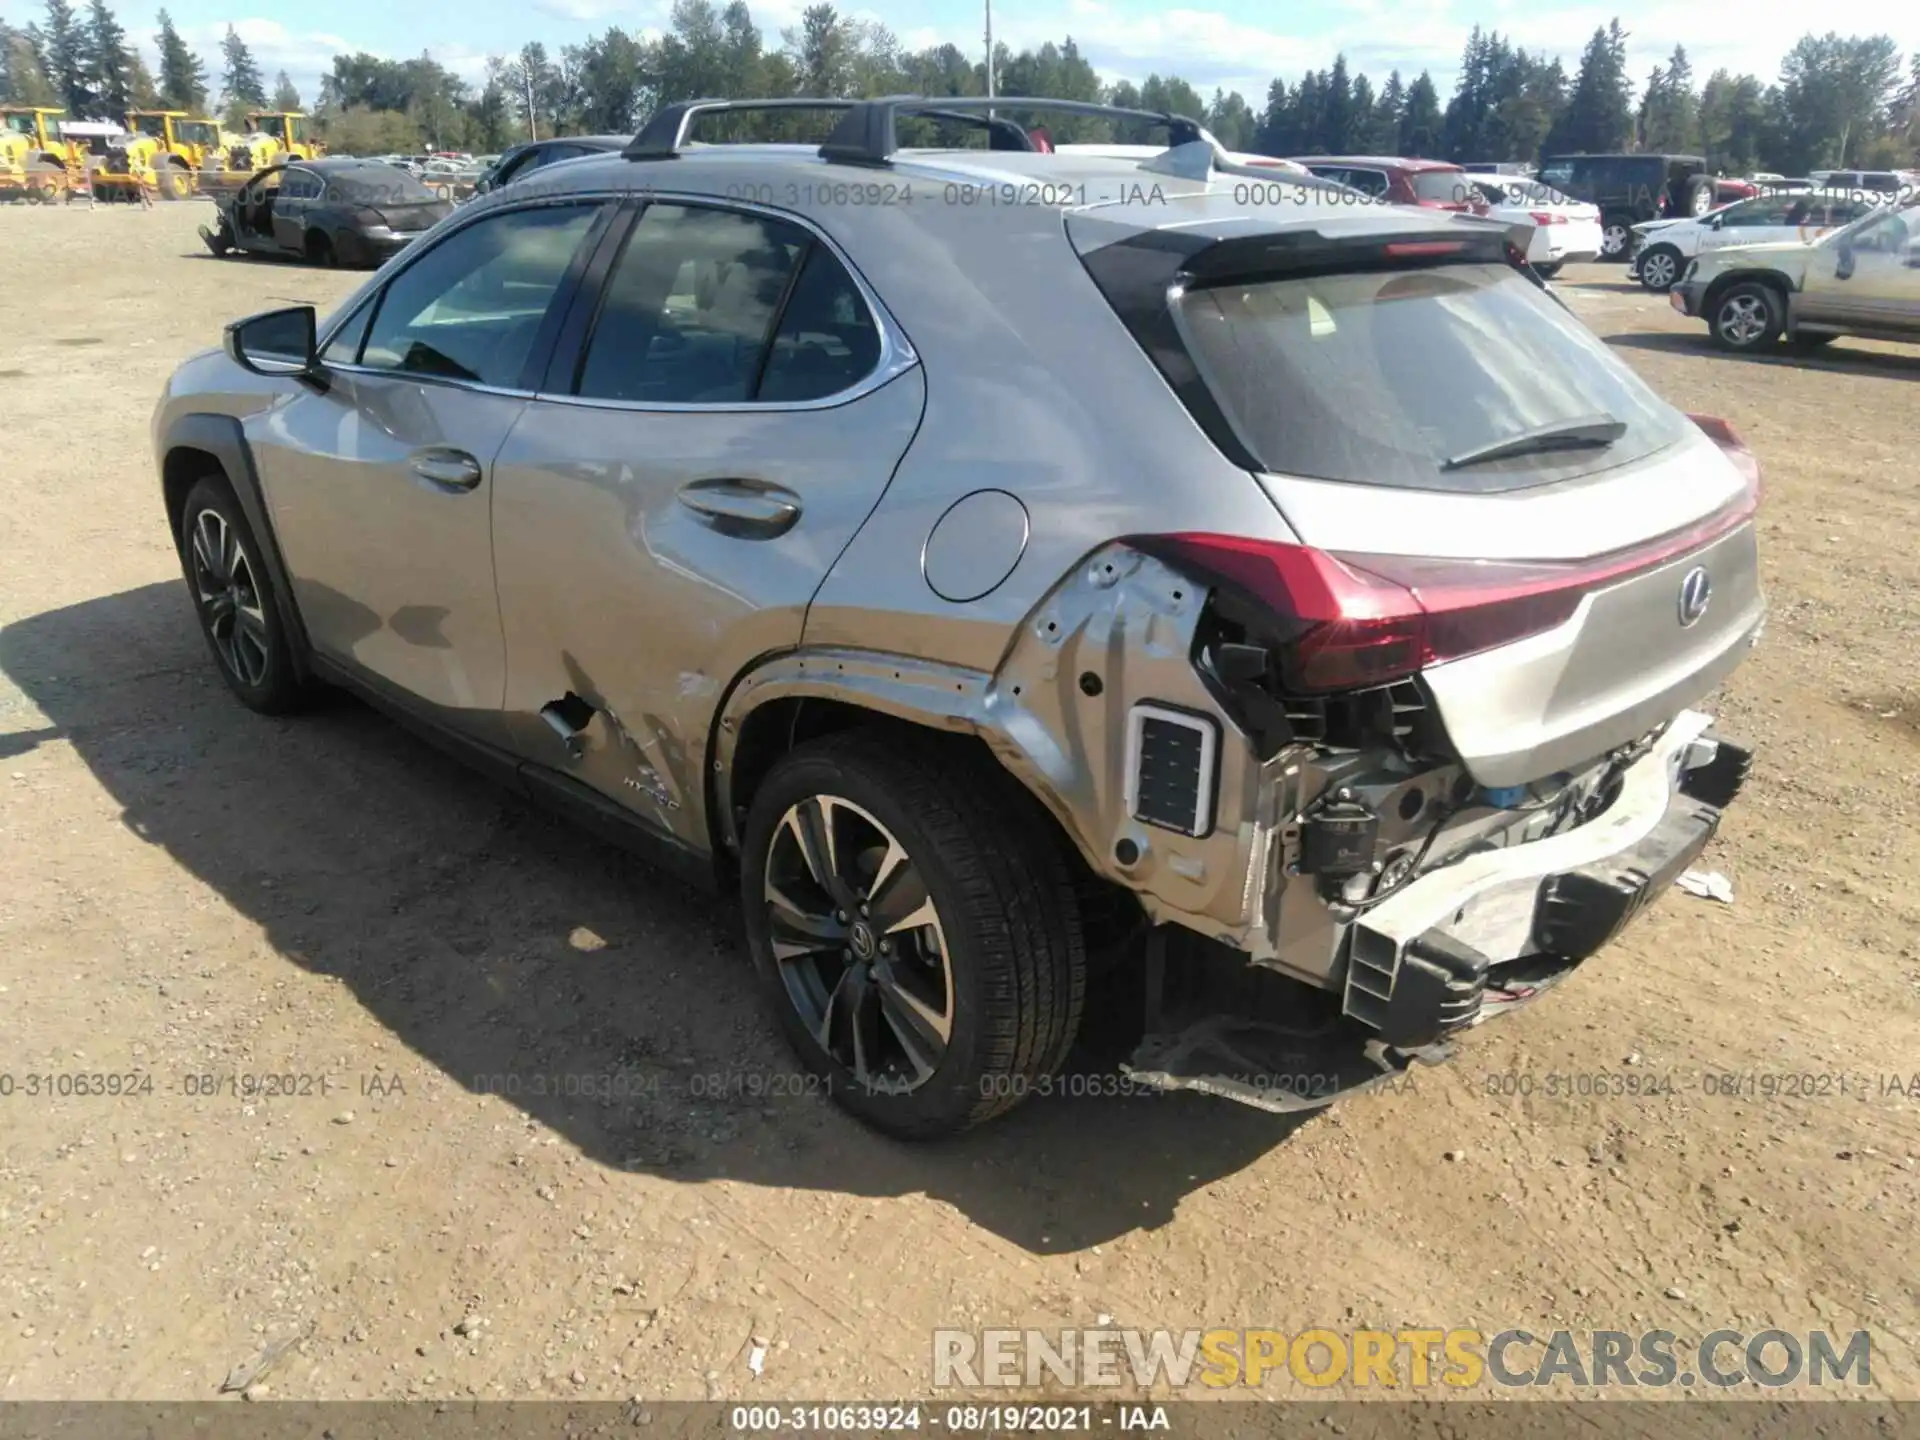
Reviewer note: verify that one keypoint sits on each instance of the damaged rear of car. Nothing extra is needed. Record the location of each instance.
(1463, 688)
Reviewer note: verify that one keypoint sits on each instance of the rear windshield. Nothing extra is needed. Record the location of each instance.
(379, 185)
(1443, 187)
(1379, 377)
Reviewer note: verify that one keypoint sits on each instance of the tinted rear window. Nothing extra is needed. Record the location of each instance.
(1377, 378)
(387, 185)
(1444, 187)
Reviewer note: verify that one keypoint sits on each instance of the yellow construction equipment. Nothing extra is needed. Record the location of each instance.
(288, 131)
(177, 147)
(36, 162)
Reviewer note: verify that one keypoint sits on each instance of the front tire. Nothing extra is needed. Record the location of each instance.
(914, 923)
(1746, 317)
(234, 598)
(1660, 267)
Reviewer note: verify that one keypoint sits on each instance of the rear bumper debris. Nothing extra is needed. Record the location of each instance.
(1466, 942)
(1425, 963)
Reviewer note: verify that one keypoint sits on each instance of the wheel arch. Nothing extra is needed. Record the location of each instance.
(782, 701)
(197, 445)
(788, 699)
(1720, 284)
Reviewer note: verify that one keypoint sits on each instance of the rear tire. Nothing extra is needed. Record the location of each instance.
(977, 864)
(235, 600)
(1746, 317)
(1660, 267)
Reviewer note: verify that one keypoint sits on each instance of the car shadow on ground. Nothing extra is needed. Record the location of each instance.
(495, 942)
(1838, 357)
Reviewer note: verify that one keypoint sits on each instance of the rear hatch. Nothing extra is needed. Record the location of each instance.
(1484, 495)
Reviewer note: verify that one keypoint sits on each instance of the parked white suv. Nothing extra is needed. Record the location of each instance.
(1662, 248)
(1863, 279)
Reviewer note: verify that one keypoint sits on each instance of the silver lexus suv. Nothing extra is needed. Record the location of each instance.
(1018, 573)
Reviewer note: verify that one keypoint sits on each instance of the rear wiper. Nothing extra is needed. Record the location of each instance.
(1596, 431)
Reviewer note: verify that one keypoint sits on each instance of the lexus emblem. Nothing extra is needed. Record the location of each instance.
(1695, 591)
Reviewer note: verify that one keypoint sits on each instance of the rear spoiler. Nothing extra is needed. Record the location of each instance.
(1459, 239)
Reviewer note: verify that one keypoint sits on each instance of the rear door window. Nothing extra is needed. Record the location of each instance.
(1378, 378)
(827, 340)
(1442, 187)
(1368, 182)
(1770, 211)
(689, 309)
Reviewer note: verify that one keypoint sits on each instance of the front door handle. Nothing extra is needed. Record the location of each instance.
(453, 469)
(748, 509)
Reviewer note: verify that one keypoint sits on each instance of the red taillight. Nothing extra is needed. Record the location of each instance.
(1548, 217)
(1362, 620)
(1350, 621)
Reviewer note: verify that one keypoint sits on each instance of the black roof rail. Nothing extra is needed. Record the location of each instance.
(665, 132)
(867, 134)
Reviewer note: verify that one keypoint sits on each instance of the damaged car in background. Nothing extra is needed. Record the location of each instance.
(1284, 608)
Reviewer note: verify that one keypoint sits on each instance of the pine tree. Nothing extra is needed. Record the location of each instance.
(1599, 114)
(1670, 111)
(109, 63)
(285, 96)
(142, 92)
(1361, 136)
(1336, 111)
(240, 83)
(22, 82)
(1276, 121)
(63, 59)
(1384, 137)
(1420, 119)
(183, 76)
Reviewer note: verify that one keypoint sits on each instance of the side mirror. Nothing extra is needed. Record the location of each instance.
(1715, 221)
(279, 342)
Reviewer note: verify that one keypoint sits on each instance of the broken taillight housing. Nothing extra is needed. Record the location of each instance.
(1352, 621)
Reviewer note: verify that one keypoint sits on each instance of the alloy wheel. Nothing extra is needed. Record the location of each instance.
(1613, 239)
(1743, 319)
(1657, 270)
(860, 948)
(229, 595)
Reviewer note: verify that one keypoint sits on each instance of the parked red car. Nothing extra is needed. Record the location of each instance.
(1436, 184)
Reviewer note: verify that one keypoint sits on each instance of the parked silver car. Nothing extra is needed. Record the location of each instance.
(981, 557)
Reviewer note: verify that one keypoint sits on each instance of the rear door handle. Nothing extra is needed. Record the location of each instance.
(452, 469)
(743, 508)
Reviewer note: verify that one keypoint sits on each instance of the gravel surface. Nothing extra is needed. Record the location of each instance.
(194, 896)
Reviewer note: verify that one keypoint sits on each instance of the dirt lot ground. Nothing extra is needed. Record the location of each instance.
(187, 890)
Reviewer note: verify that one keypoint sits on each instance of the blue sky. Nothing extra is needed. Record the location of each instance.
(1238, 44)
